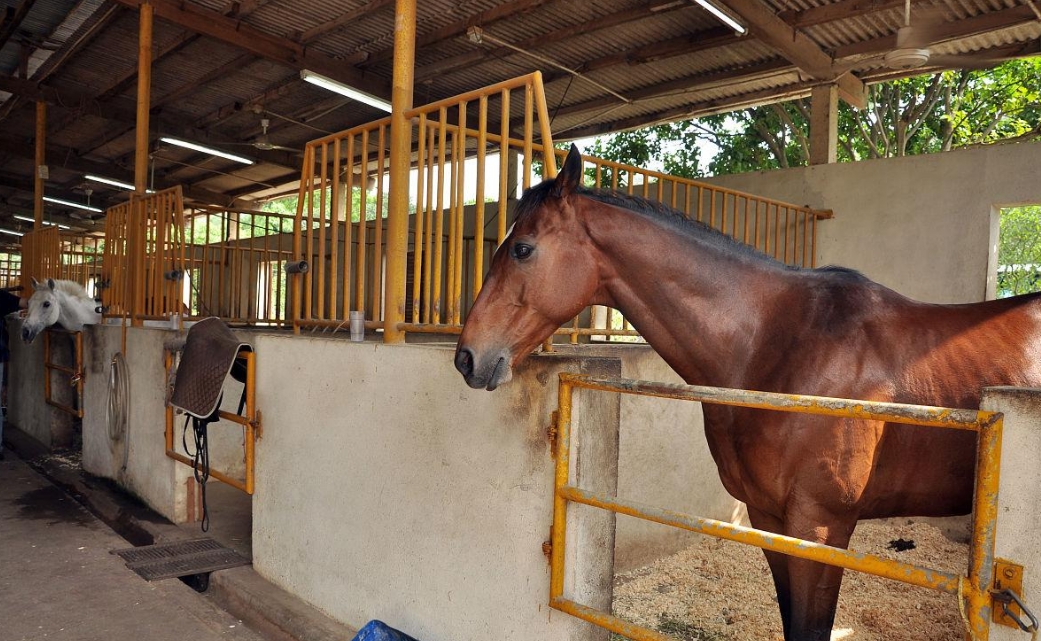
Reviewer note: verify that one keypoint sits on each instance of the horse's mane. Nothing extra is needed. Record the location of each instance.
(671, 218)
(70, 287)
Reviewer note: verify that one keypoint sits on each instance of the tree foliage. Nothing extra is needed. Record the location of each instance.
(924, 114)
(1019, 251)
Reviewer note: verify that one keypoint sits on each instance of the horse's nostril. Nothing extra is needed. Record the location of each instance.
(464, 361)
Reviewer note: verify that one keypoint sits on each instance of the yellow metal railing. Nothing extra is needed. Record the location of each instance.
(974, 588)
(144, 257)
(75, 374)
(234, 267)
(344, 196)
(82, 259)
(250, 424)
(41, 256)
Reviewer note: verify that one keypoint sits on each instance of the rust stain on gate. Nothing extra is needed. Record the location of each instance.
(974, 587)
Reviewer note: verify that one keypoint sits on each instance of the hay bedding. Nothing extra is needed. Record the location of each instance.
(717, 590)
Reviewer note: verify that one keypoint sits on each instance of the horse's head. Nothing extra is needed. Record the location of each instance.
(44, 308)
(542, 275)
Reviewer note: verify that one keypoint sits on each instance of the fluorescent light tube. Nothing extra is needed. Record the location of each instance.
(69, 203)
(206, 150)
(344, 90)
(716, 11)
(10, 231)
(109, 181)
(46, 222)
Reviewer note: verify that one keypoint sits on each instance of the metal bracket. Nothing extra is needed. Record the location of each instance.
(551, 434)
(258, 427)
(1007, 588)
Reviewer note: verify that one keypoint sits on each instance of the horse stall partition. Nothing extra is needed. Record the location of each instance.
(234, 265)
(784, 231)
(340, 239)
(82, 260)
(41, 256)
(144, 257)
(74, 371)
(973, 590)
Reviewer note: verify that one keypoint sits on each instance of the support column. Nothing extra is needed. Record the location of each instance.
(824, 103)
(144, 98)
(400, 161)
(41, 164)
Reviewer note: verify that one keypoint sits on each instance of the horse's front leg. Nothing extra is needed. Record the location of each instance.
(814, 587)
(778, 563)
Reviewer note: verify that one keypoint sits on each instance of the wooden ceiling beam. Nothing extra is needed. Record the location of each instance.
(796, 46)
(281, 50)
(484, 53)
(13, 18)
(836, 11)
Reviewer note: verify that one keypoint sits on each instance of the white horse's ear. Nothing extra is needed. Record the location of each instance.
(36, 284)
(50, 283)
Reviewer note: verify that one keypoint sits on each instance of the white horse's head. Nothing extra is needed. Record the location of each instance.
(44, 309)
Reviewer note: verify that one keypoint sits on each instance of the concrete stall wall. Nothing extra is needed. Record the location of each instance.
(925, 226)
(388, 489)
(27, 406)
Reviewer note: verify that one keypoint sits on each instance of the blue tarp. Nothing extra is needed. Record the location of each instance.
(380, 631)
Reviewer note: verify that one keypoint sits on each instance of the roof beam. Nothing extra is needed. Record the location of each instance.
(238, 34)
(797, 47)
(13, 17)
(836, 11)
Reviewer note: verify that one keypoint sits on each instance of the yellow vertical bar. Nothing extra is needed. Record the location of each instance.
(334, 232)
(319, 267)
(460, 214)
(560, 479)
(41, 160)
(359, 270)
(251, 418)
(400, 159)
(984, 522)
(429, 237)
(294, 280)
(418, 241)
(451, 298)
(439, 240)
(348, 221)
(309, 275)
(482, 140)
(813, 243)
(144, 99)
(377, 241)
(549, 164)
(504, 165)
(787, 226)
(528, 124)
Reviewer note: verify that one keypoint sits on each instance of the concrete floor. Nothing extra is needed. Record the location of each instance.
(231, 518)
(59, 580)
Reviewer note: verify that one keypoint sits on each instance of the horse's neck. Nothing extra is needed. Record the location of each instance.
(76, 311)
(703, 309)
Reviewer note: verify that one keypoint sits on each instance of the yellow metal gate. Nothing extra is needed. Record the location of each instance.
(973, 588)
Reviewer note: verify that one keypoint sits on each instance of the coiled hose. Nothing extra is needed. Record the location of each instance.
(119, 404)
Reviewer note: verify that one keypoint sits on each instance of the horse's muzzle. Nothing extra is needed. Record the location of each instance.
(29, 334)
(479, 377)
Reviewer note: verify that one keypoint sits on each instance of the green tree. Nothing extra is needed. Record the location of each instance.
(1019, 251)
(923, 114)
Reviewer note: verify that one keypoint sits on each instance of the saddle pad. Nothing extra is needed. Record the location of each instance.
(209, 354)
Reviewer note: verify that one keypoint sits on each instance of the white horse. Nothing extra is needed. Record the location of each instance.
(64, 302)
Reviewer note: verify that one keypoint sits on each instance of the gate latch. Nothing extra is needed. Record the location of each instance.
(1008, 585)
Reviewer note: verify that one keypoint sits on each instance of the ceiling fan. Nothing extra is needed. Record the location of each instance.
(263, 141)
(913, 42)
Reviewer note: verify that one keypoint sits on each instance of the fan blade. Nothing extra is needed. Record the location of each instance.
(927, 27)
(966, 61)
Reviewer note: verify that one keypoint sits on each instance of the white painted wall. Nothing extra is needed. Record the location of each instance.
(388, 489)
(922, 225)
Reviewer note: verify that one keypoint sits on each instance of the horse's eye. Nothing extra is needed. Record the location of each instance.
(46, 303)
(522, 251)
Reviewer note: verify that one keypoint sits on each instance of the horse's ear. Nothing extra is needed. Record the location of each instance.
(50, 283)
(570, 176)
(36, 283)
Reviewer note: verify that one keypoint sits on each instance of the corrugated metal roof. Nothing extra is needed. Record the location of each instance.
(652, 53)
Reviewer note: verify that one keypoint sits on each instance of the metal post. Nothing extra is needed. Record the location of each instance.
(41, 165)
(144, 99)
(400, 159)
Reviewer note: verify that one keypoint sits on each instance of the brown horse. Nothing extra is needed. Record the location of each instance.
(722, 314)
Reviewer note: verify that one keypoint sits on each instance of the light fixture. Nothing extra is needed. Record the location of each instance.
(46, 222)
(110, 181)
(206, 150)
(10, 231)
(719, 13)
(69, 203)
(344, 90)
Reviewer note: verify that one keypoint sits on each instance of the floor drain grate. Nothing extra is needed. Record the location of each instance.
(180, 558)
